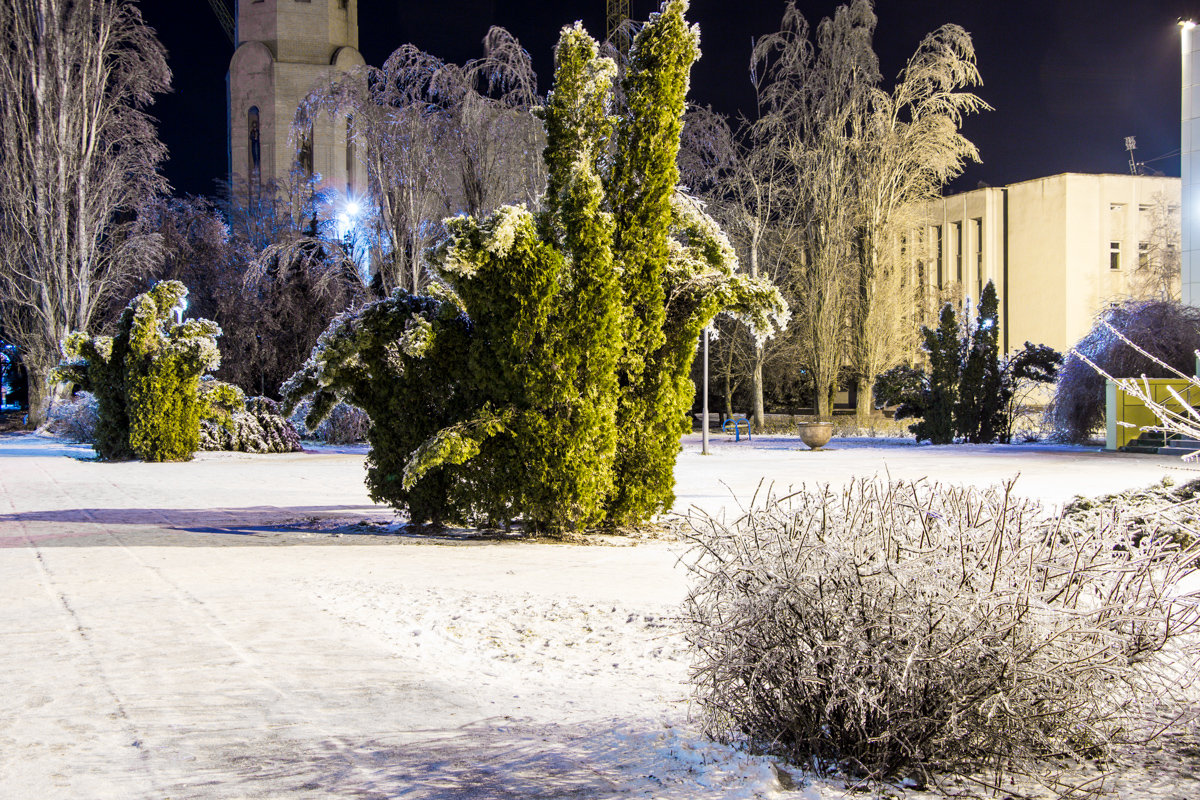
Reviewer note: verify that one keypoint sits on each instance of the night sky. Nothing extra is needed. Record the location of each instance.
(1068, 80)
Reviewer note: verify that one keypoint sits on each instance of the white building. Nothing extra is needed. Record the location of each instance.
(1058, 249)
(286, 48)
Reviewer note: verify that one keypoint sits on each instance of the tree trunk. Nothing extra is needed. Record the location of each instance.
(756, 380)
(39, 393)
(757, 386)
(727, 390)
(865, 403)
(824, 403)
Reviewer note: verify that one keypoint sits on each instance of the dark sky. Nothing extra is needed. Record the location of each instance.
(1068, 80)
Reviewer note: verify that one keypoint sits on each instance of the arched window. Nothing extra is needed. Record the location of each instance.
(349, 155)
(254, 141)
(304, 155)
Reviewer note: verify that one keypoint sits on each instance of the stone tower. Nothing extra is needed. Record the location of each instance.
(284, 49)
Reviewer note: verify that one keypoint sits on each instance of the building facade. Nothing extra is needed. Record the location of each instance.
(286, 48)
(1058, 249)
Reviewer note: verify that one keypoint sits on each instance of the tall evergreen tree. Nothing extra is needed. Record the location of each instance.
(527, 362)
(643, 182)
(944, 350)
(979, 408)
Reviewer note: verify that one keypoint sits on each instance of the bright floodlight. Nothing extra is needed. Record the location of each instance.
(352, 208)
(1187, 24)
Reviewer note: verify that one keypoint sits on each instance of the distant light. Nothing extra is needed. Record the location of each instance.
(1187, 24)
(352, 208)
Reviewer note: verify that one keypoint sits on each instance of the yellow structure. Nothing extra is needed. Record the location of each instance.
(1123, 407)
(1058, 249)
(285, 48)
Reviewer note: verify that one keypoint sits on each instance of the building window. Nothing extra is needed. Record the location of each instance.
(253, 140)
(1114, 255)
(349, 155)
(1143, 255)
(304, 153)
(937, 237)
(977, 224)
(958, 252)
(344, 5)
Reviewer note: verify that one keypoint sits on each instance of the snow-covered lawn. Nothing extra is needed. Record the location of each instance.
(224, 629)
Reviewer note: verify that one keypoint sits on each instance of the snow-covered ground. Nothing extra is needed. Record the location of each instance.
(250, 626)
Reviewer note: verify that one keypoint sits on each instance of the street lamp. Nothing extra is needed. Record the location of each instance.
(704, 415)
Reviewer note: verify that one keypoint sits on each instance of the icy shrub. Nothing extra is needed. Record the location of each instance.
(1142, 510)
(902, 626)
(1166, 329)
(255, 427)
(74, 419)
(345, 424)
(146, 378)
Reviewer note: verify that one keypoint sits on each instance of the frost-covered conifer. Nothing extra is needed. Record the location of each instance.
(146, 378)
(982, 395)
(512, 408)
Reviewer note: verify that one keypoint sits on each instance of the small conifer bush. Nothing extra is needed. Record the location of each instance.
(970, 392)
(146, 378)
(231, 422)
(548, 379)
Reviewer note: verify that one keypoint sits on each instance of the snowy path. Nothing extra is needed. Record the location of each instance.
(167, 632)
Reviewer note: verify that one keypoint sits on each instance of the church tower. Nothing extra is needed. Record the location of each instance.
(285, 48)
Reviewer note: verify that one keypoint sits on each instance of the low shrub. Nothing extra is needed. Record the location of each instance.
(1166, 329)
(146, 378)
(345, 424)
(74, 419)
(900, 627)
(258, 428)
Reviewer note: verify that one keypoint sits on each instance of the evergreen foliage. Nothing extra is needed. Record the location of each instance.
(979, 411)
(551, 332)
(944, 349)
(970, 392)
(642, 187)
(246, 426)
(146, 378)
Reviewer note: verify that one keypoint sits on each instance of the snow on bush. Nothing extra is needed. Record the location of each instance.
(345, 424)
(899, 627)
(258, 428)
(1151, 338)
(74, 419)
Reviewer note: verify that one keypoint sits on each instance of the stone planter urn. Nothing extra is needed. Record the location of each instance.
(815, 434)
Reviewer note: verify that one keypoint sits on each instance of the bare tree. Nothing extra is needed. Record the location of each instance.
(1157, 274)
(439, 139)
(814, 93)
(908, 146)
(749, 185)
(77, 157)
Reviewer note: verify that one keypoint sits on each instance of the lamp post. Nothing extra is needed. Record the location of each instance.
(1190, 188)
(704, 416)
